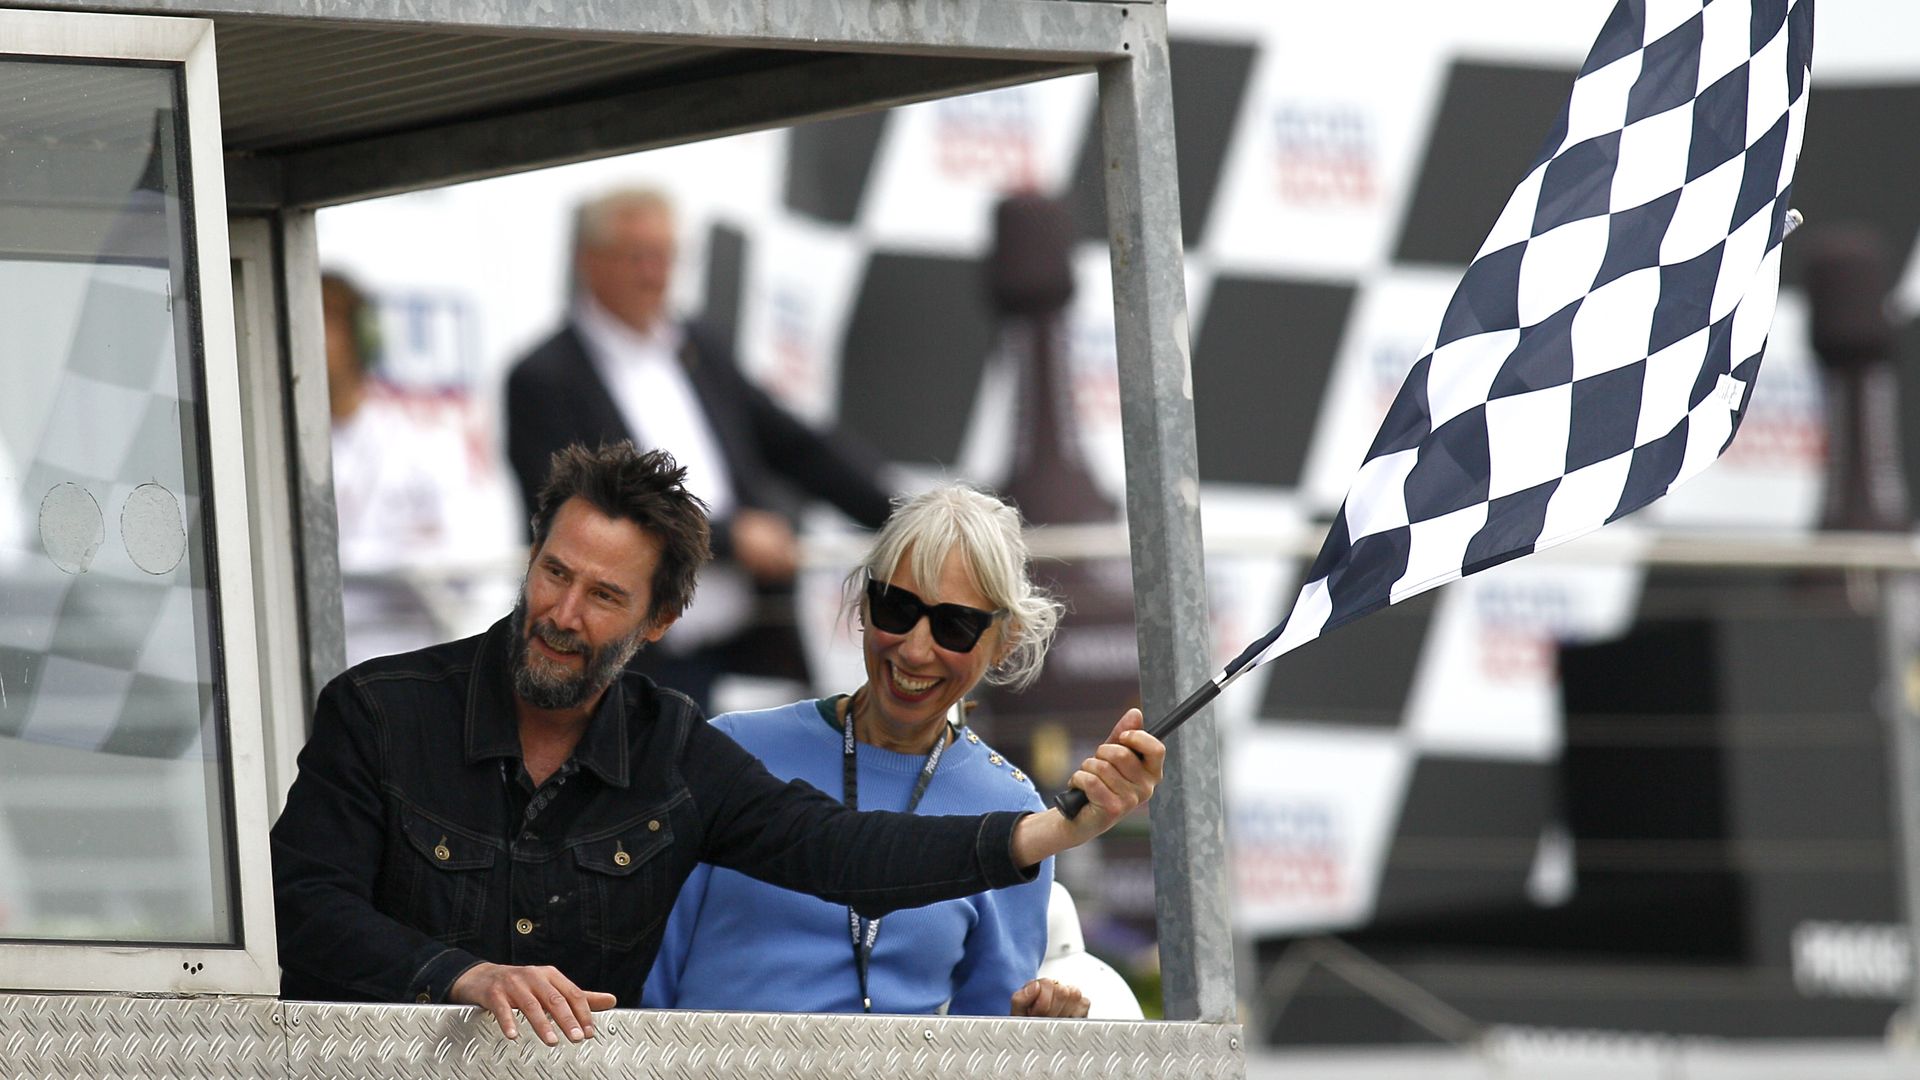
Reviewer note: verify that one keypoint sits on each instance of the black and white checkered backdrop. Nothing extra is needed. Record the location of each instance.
(1332, 195)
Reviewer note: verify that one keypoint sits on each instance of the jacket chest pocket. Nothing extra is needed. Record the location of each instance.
(625, 886)
(437, 877)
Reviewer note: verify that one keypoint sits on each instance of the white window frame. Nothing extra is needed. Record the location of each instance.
(250, 967)
(275, 566)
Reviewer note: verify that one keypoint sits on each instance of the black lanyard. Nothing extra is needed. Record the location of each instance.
(850, 784)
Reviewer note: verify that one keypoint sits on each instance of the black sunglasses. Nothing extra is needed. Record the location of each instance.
(956, 627)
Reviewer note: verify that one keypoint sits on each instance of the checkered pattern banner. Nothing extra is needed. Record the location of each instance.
(105, 629)
(1601, 346)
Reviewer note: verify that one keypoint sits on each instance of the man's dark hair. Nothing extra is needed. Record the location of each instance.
(646, 489)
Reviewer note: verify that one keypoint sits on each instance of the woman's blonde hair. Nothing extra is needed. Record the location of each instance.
(923, 529)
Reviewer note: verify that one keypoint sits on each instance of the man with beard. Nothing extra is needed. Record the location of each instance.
(505, 821)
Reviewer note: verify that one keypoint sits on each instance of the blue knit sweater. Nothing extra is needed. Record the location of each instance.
(733, 943)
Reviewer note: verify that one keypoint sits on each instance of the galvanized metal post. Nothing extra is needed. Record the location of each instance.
(311, 454)
(1163, 511)
(1900, 704)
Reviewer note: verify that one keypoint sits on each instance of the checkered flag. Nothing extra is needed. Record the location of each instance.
(1601, 345)
(1600, 348)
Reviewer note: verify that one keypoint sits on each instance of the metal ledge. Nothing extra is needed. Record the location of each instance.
(217, 1038)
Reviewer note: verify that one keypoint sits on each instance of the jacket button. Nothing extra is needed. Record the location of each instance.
(423, 999)
(653, 826)
(524, 926)
(621, 858)
(441, 852)
(995, 758)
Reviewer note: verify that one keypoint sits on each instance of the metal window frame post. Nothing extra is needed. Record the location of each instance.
(1163, 512)
(310, 455)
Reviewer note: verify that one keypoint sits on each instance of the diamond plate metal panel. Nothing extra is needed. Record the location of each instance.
(44, 1037)
(58, 1037)
(382, 1042)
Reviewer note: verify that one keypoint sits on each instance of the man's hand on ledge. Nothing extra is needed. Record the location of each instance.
(538, 992)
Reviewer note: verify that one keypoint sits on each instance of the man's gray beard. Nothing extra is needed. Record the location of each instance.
(557, 689)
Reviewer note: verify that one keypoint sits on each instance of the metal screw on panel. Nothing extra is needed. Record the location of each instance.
(1233, 1043)
(929, 1034)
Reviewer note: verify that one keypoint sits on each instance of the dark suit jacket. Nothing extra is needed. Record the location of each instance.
(556, 397)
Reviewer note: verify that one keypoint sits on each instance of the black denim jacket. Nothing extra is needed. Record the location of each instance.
(403, 857)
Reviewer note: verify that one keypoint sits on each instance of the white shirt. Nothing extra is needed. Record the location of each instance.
(411, 495)
(656, 399)
(402, 483)
(643, 373)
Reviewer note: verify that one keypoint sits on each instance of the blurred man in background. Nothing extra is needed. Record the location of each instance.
(623, 368)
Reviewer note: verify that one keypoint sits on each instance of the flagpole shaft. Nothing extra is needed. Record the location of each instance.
(1071, 801)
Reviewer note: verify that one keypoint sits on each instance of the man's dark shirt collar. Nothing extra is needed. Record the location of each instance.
(493, 727)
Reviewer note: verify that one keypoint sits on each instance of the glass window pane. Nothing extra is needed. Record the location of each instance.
(114, 807)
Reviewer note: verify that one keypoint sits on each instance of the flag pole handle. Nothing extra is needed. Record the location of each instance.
(1071, 801)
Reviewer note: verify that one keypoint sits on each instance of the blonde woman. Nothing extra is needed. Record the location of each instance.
(943, 602)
